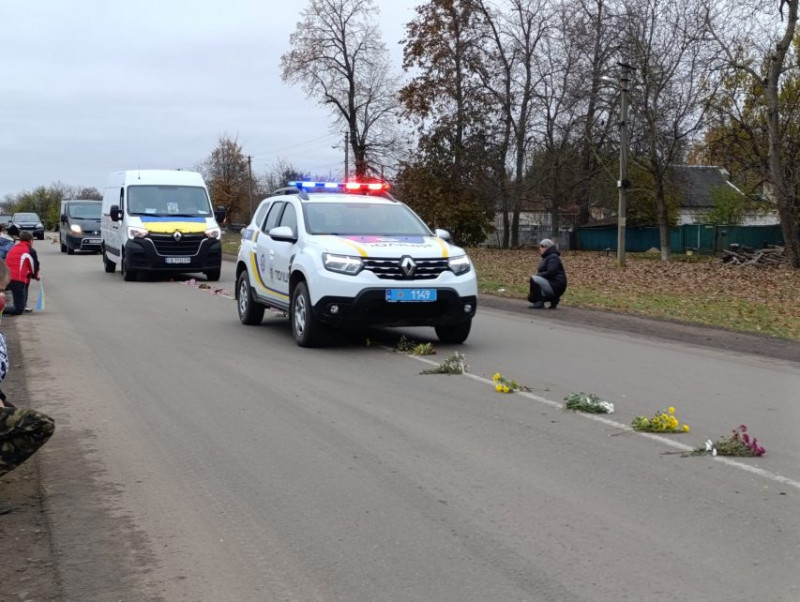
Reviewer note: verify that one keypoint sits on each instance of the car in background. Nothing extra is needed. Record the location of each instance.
(26, 221)
(5, 219)
(79, 228)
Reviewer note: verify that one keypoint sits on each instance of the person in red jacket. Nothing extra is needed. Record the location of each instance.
(23, 265)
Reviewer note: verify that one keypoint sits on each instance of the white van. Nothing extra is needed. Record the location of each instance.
(158, 220)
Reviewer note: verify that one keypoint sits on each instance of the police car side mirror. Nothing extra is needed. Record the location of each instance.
(282, 234)
(443, 234)
(219, 214)
(114, 213)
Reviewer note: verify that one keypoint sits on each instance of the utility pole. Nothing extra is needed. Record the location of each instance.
(346, 155)
(623, 183)
(250, 183)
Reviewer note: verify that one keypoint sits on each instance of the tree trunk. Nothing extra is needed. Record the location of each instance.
(784, 192)
(663, 221)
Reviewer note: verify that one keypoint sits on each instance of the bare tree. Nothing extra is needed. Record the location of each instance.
(665, 43)
(515, 29)
(338, 57)
(757, 42)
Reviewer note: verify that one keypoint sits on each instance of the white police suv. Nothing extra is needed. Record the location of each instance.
(344, 255)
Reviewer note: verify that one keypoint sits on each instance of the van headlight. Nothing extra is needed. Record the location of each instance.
(460, 264)
(76, 229)
(343, 264)
(213, 233)
(39, 225)
(134, 232)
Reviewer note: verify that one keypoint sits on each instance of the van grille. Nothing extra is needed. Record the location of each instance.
(166, 245)
(389, 269)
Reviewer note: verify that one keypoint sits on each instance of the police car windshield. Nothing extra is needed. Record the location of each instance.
(184, 201)
(84, 210)
(363, 219)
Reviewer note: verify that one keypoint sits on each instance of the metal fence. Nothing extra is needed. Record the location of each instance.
(700, 238)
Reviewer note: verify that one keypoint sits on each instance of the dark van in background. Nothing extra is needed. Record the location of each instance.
(80, 226)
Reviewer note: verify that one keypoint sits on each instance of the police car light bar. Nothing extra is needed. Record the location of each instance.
(348, 186)
(328, 185)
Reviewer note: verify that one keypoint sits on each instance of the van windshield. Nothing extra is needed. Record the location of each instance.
(184, 201)
(84, 210)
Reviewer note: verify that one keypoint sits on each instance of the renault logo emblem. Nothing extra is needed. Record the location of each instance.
(177, 236)
(408, 265)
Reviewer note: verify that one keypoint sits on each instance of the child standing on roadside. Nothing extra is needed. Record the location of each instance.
(23, 266)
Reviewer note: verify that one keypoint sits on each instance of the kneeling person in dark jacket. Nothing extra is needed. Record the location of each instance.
(550, 281)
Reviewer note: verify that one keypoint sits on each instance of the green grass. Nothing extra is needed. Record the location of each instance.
(230, 242)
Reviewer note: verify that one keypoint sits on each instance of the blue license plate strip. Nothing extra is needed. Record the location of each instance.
(410, 295)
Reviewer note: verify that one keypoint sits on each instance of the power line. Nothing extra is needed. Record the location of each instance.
(277, 150)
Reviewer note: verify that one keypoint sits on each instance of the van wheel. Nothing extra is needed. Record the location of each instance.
(63, 248)
(213, 275)
(305, 327)
(127, 274)
(455, 334)
(109, 266)
(251, 312)
(70, 251)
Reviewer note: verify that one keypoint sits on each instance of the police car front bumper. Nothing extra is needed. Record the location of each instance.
(371, 308)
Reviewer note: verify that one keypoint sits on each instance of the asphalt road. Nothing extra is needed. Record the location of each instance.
(199, 459)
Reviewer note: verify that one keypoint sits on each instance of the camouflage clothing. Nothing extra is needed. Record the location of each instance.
(22, 432)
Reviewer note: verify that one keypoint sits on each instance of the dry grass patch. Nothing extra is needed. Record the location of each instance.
(692, 289)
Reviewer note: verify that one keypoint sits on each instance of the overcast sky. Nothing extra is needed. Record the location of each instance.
(93, 86)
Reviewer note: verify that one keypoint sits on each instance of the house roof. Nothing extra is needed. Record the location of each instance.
(697, 183)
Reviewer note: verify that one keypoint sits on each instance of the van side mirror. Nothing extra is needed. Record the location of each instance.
(63, 218)
(219, 214)
(114, 213)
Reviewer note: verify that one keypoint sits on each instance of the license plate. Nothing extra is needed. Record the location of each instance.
(178, 260)
(410, 295)
(92, 241)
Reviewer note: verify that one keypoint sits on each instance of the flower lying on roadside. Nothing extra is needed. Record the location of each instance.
(414, 347)
(505, 385)
(455, 364)
(738, 443)
(663, 421)
(581, 402)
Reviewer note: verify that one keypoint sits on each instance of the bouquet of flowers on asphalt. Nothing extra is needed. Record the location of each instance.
(591, 403)
(663, 421)
(505, 385)
(738, 443)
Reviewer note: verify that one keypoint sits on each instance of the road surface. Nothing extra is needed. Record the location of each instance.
(199, 459)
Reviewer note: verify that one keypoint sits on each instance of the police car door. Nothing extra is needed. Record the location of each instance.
(265, 282)
(282, 252)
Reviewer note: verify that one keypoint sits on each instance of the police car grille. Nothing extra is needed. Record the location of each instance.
(389, 269)
(166, 245)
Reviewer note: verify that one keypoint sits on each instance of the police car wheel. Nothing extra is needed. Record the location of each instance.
(305, 327)
(251, 312)
(454, 334)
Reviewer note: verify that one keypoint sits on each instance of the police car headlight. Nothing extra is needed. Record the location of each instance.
(213, 233)
(460, 264)
(76, 229)
(344, 264)
(136, 232)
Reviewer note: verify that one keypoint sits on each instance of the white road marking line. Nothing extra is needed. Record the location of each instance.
(772, 476)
